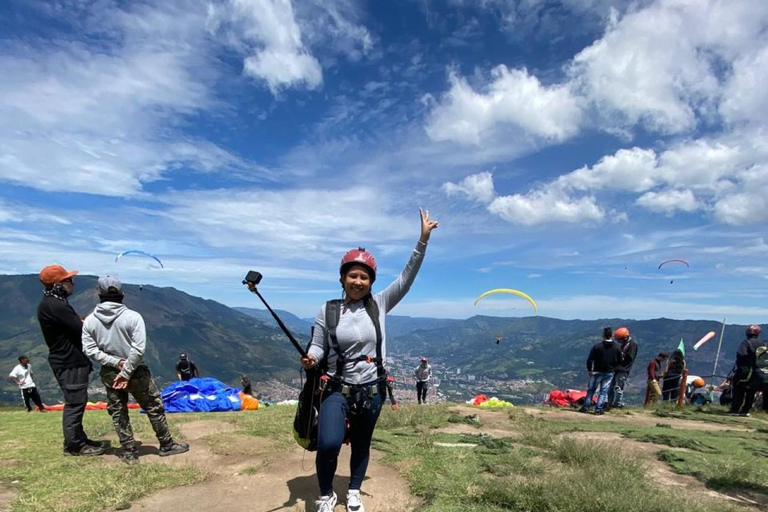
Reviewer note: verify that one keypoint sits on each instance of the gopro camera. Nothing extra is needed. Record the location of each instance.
(253, 278)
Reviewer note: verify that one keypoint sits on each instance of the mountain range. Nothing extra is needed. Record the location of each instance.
(228, 342)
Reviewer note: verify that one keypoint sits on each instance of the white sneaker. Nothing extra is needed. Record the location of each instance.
(355, 501)
(326, 503)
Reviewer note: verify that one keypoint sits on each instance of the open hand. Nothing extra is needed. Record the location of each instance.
(427, 225)
(120, 382)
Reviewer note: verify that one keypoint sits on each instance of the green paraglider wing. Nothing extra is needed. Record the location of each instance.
(508, 290)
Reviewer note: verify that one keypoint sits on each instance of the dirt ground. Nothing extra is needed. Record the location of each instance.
(246, 475)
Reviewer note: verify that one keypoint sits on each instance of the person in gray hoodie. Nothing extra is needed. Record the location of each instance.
(116, 337)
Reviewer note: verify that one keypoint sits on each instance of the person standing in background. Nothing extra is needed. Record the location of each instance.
(22, 376)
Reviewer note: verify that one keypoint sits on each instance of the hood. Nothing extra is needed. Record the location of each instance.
(107, 312)
(607, 343)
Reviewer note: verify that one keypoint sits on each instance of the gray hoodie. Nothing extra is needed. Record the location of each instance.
(113, 333)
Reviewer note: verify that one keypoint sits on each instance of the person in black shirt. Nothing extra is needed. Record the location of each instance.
(621, 374)
(62, 329)
(748, 379)
(186, 369)
(602, 361)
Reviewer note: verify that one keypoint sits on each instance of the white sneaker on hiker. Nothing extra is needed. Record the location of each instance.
(326, 503)
(355, 501)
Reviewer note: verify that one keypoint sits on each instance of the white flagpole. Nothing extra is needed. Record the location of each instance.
(719, 344)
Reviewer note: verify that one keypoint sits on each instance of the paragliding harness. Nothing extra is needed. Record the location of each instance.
(305, 422)
(306, 419)
(360, 397)
(759, 372)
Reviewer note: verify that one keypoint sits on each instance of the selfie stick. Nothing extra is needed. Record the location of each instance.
(280, 323)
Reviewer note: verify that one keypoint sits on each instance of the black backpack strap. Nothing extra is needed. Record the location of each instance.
(332, 316)
(372, 308)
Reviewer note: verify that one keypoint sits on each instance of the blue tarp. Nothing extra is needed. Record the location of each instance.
(200, 395)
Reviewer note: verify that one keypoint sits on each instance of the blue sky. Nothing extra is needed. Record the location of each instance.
(567, 147)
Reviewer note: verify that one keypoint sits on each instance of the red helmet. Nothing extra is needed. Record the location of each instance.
(753, 331)
(621, 333)
(423, 359)
(359, 256)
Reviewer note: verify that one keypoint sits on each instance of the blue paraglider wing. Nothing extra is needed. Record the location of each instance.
(140, 253)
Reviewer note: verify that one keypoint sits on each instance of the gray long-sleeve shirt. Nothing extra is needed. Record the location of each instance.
(356, 333)
(114, 332)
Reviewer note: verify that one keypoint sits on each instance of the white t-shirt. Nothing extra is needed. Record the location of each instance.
(24, 376)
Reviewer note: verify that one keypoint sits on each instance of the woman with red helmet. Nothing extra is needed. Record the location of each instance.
(352, 393)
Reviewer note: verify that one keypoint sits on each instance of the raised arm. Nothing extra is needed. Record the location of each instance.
(394, 293)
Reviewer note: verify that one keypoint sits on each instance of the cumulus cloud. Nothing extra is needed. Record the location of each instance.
(628, 169)
(546, 205)
(513, 100)
(277, 36)
(267, 30)
(659, 66)
(669, 201)
(478, 187)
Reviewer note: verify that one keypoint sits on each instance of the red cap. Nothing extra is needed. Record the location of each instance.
(359, 256)
(53, 274)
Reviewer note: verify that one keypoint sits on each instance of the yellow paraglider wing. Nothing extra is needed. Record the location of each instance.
(508, 290)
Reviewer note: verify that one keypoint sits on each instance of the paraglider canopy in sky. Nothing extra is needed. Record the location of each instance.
(511, 291)
(140, 254)
(676, 260)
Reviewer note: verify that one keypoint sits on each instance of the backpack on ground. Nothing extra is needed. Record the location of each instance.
(311, 395)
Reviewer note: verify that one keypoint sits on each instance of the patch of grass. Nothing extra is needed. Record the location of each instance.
(254, 470)
(413, 415)
(31, 449)
(675, 441)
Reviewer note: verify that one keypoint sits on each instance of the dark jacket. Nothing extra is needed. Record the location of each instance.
(746, 358)
(676, 363)
(629, 353)
(62, 329)
(605, 356)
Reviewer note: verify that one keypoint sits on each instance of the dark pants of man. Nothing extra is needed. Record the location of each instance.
(143, 389)
(331, 430)
(32, 395)
(421, 391)
(74, 385)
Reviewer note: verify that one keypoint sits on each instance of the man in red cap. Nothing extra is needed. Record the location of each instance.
(62, 329)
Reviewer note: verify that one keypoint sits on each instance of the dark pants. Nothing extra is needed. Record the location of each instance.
(330, 435)
(670, 388)
(32, 395)
(143, 389)
(74, 385)
(616, 391)
(421, 391)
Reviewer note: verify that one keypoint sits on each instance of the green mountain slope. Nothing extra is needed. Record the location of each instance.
(223, 342)
(555, 349)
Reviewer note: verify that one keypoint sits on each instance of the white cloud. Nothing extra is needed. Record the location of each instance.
(744, 98)
(546, 205)
(658, 65)
(267, 30)
(669, 201)
(748, 205)
(277, 37)
(306, 224)
(99, 115)
(513, 101)
(628, 169)
(478, 187)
